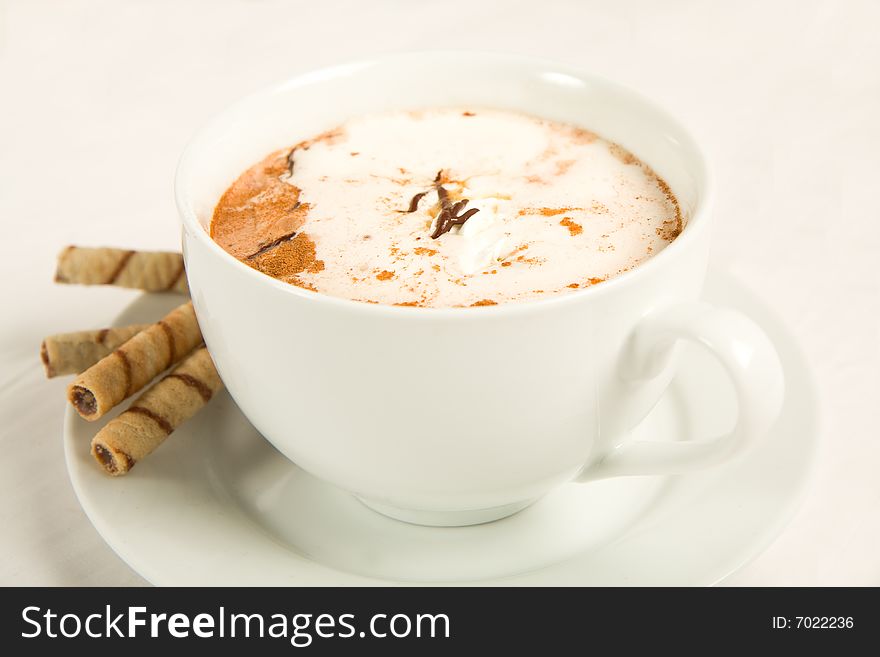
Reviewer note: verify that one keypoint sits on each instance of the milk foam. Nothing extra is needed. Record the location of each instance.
(559, 208)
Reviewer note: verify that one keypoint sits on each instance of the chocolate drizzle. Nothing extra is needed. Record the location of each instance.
(290, 160)
(414, 203)
(271, 245)
(449, 212)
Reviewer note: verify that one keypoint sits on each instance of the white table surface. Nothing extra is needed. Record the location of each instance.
(98, 98)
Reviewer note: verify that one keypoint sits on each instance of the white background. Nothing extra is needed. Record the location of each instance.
(98, 98)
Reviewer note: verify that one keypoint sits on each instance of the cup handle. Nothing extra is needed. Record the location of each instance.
(747, 355)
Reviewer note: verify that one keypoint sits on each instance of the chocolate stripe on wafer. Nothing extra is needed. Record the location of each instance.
(160, 421)
(153, 271)
(72, 353)
(176, 279)
(126, 371)
(131, 367)
(169, 335)
(123, 261)
(138, 431)
(193, 382)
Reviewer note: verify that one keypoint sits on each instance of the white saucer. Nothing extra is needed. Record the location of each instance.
(217, 505)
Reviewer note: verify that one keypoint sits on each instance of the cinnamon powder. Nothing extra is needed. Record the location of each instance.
(258, 208)
(573, 227)
(292, 257)
(670, 229)
(547, 212)
(622, 154)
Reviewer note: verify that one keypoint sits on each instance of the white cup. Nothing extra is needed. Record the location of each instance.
(465, 415)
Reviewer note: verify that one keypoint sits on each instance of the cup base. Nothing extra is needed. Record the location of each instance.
(446, 518)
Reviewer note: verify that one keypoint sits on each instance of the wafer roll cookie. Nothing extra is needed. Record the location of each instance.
(139, 430)
(153, 271)
(72, 353)
(135, 364)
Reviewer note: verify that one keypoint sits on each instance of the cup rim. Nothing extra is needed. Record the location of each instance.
(695, 223)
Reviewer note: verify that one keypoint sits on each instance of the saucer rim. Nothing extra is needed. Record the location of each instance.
(317, 573)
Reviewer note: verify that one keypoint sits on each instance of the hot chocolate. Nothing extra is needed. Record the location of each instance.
(447, 207)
